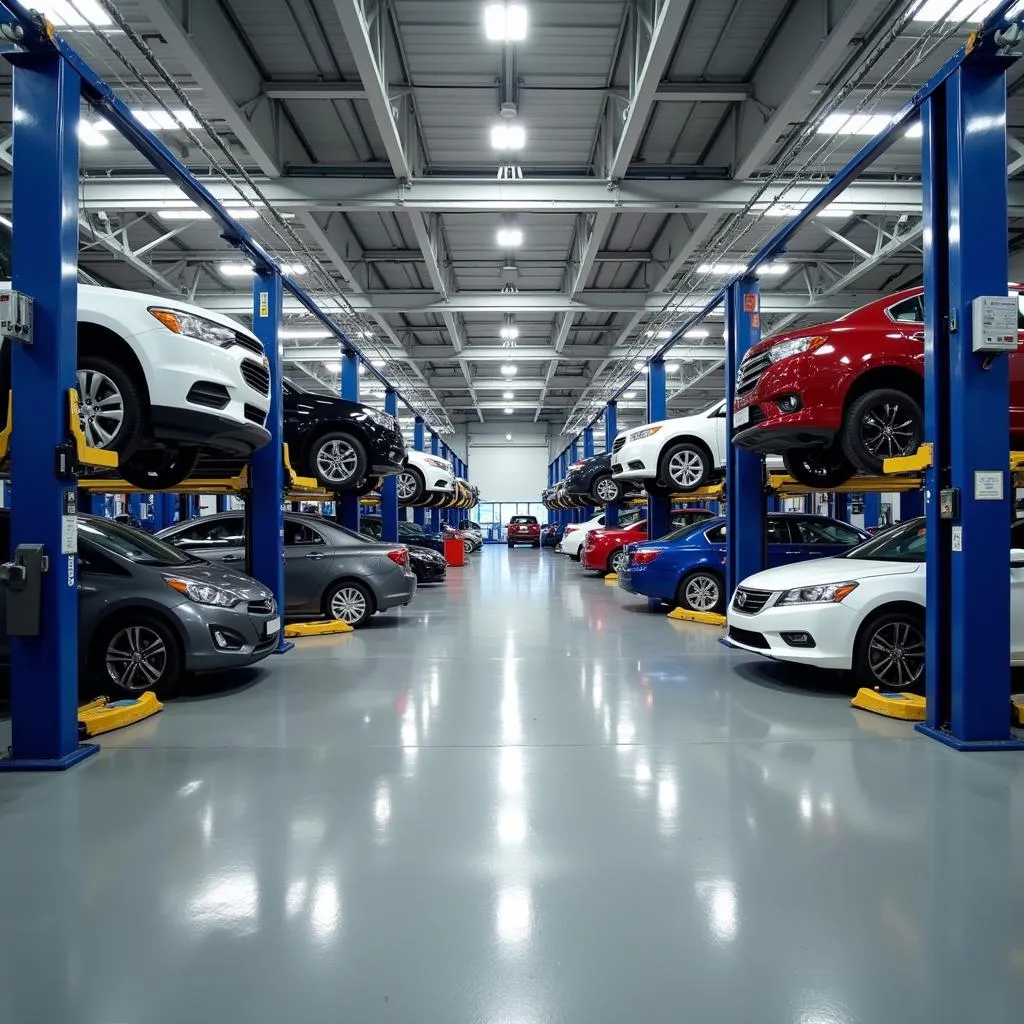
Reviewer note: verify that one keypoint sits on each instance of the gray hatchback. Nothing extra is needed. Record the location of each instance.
(328, 570)
(148, 612)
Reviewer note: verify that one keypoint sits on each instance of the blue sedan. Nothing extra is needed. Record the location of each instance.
(687, 568)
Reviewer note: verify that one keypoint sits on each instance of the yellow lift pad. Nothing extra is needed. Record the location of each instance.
(908, 706)
(1017, 708)
(317, 628)
(708, 618)
(104, 715)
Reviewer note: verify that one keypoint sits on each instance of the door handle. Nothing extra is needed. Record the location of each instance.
(315, 554)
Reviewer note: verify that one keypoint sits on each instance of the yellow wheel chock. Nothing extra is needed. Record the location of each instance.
(910, 707)
(708, 618)
(612, 577)
(104, 715)
(317, 628)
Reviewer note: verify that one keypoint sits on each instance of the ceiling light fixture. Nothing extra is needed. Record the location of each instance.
(509, 332)
(509, 370)
(508, 137)
(88, 135)
(505, 23)
(733, 269)
(697, 332)
(302, 334)
(508, 437)
(509, 410)
(245, 269)
(967, 10)
(671, 367)
(508, 396)
(155, 120)
(78, 14)
(640, 367)
(379, 363)
(662, 335)
(510, 238)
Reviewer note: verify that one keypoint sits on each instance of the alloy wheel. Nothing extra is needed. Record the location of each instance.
(337, 461)
(702, 593)
(686, 468)
(406, 486)
(896, 655)
(620, 561)
(100, 408)
(136, 658)
(348, 604)
(607, 490)
(887, 431)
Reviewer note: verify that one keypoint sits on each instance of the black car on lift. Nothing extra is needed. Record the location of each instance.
(411, 534)
(592, 479)
(346, 446)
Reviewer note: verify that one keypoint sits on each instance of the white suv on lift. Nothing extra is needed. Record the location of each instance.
(674, 455)
(161, 380)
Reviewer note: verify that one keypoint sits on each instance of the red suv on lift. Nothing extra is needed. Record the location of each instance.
(843, 396)
(523, 530)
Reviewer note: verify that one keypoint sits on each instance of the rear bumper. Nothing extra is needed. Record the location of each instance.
(397, 593)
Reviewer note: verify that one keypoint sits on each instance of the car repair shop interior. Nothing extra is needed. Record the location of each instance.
(513, 512)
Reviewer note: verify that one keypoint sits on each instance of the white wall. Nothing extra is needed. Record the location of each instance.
(515, 470)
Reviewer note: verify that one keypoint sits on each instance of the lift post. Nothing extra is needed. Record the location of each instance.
(44, 657)
(611, 428)
(964, 189)
(659, 507)
(389, 488)
(435, 513)
(346, 509)
(872, 510)
(264, 507)
(911, 504)
(573, 458)
(419, 515)
(745, 508)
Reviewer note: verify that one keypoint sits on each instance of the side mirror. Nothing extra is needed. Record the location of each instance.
(1017, 558)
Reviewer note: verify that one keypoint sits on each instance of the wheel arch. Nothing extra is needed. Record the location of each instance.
(321, 427)
(886, 608)
(693, 439)
(901, 378)
(98, 340)
(124, 612)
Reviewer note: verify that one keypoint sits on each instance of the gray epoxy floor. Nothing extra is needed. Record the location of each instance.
(520, 800)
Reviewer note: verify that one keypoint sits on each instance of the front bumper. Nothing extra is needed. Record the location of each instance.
(386, 452)
(208, 429)
(833, 628)
(200, 651)
(637, 460)
(430, 573)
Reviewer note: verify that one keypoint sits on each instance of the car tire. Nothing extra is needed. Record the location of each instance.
(606, 490)
(896, 630)
(156, 469)
(575, 558)
(112, 650)
(818, 467)
(338, 461)
(105, 387)
(536, 543)
(351, 602)
(411, 486)
(510, 545)
(685, 467)
(865, 442)
(618, 558)
(701, 590)
(467, 546)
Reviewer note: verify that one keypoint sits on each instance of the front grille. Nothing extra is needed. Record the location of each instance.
(256, 375)
(252, 344)
(265, 606)
(206, 393)
(255, 415)
(750, 372)
(619, 442)
(748, 638)
(750, 602)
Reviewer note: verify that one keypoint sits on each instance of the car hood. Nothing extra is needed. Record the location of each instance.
(826, 570)
(238, 583)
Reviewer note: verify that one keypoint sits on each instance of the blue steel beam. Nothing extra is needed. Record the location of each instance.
(744, 470)
(872, 509)
(611, 428)
(265, 512)
(435, 513)
(966, 412)
(389, 488)
(347, 508)
(658, 505)
(44, 666)
(419, 515)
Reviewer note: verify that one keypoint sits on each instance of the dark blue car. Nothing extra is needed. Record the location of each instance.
(687, 568)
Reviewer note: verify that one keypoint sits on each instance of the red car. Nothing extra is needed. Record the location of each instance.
(844, 396)
(604, 549)
(523, 530)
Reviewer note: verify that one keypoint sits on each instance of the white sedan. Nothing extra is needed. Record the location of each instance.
(863, 610)
(424, 475)
(575, 534)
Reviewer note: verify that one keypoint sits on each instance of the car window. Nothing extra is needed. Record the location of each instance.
(825, 531)
(777, 531)
(521, 520)
(685, 530)
(1016, 535)
(717, 410)
(716, 535)
(296, 533)
(93, 561)
(903, 543)
(133, 545)
(212, 533)
(909, 311)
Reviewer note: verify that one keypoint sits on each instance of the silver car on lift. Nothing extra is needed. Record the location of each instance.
(328, 570)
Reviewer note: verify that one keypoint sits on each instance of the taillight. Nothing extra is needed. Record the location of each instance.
(399, 556)
(570, 529)
(643, 557)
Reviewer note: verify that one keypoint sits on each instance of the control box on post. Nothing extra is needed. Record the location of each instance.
(994, 319)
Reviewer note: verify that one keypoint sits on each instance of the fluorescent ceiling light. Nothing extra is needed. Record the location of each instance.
(629, 394)
(509, 410)
(509, 370)
(505, 23)
(509, 333)
(795, 209)
(732, 269)
(303, 334)
(508, 136)
(508, 396)
(510, 238)
(245, 269)
(663, 335)
(697, 332)
(508, 437)
(915, 131)
(77, 14)
(640, 367)
(155, 120)
(671, 367)
(334, 366)
(854, 124)
(194, 213)
(949, 10)
(89, 136)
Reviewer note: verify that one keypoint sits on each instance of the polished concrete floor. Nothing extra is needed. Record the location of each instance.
(522, 799)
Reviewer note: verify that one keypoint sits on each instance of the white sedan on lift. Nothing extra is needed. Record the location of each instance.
(674, 455)
(424, 475)
(863, 610)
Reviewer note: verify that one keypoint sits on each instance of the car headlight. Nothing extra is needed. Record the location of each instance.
(639, 435)
(203, 593)
(382, 419)
(793, 347)
(439, 463)
(188, 325)
(825, 593)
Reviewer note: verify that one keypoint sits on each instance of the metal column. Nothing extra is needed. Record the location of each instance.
(435, 513)
(912, 502)
(964, 187)
(659, 507)
(841, 507)
(44, 666)
(872, 509)
(573, 458)
(265, 512)
(744, 470)
(419, 515)
(347, 506)
(611, 428)
(587, 512)
(222, 503)
(389, 488)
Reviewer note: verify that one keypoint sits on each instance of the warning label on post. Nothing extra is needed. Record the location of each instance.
(69, 524)
(749, 303)
(264, 304)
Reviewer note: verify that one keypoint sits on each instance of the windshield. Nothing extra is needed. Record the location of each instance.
(902, 543)
(134, 545)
